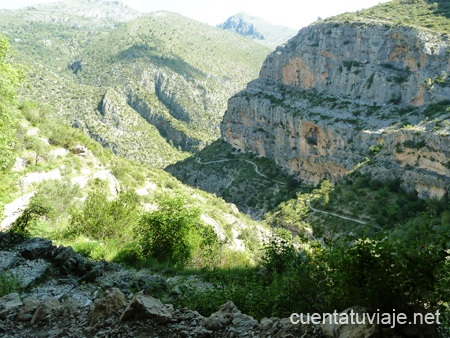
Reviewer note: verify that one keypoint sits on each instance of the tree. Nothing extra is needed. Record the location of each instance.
(10, 77)
(325, 189)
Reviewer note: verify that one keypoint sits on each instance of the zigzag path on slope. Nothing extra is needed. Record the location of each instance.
(333, 214)
(199, 161)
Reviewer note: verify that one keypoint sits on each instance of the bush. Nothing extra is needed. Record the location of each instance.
(29, 217)
(34, 112)
(381, 273)
(8, 284)
(174, 233)
(100, 218)
(57, 196)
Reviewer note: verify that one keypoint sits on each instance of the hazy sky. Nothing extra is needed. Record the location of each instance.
(291, 13)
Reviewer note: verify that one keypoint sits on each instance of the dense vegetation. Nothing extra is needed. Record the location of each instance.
(9, 80)
(232, 175)
(430, 14)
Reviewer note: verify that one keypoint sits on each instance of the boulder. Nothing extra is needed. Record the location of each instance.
(112, 301)
(70, 305)
(79, 150)
(284, 328)
(218, 320)
(27, 272)
(28, 308)
(349, 330)
(7, 259)
(243, 325)
(9, 303)
(35, 248)
(143, 306)
(68, 261)
(46, 307)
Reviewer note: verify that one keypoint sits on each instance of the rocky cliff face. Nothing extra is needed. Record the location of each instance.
(339, 88)
(258, 29)
(241, 26)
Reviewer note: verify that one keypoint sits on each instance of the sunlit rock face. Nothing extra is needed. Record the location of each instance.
(335, 90)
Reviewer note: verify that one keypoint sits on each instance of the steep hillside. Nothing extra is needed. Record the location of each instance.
(258, 29)
(62, 181)
(354, 91)
(111, 71)
(176, 72)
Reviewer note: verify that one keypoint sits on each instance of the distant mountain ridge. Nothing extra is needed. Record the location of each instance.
(258, 29)
(109, 70)
(104, 12)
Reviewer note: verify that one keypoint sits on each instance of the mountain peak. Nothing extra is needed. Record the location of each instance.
(240, 24)
(258, 29)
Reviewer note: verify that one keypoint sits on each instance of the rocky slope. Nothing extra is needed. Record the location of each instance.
(258, 29)
(66, 295)
(341, 88)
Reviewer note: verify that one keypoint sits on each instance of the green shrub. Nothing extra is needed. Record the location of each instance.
(100, 218)
(29, 217)
(34, 112)
(9, 283)
(174, 233)
(57, 196)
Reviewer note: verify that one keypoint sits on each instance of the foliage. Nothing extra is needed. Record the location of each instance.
(9, 283)
(378, 273)
(10, 77)
(438, 108)
(35, 112)
(434, 15)
(100, 218)
(57, 196)
(174, 233)
(29, 217)
(39, 147)
(52, 201)
(235, 178)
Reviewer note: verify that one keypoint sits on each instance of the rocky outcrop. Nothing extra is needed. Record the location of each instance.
(111, 301)
(339, 88)
(241, 26)
(167, 127)
(258, 29)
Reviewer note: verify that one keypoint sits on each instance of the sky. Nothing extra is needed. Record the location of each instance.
(295, 14)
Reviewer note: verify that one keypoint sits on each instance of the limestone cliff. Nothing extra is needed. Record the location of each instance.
(337, 89)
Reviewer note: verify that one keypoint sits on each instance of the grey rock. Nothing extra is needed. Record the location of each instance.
(30, 271)
(7, 259)
(28, 308)
(143, 306)
(68, 261)
(366, 330)
(35, 248)
(218, 320)
(8, 303)
(112, 301)
(46, 307)
(79, 150)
